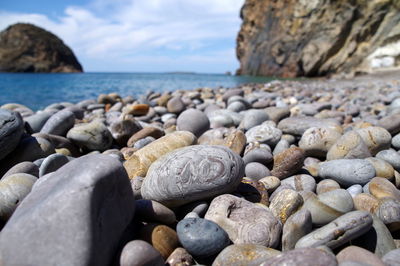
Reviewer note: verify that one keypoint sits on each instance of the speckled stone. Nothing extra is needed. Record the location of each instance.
(299, 124)
(300, 182)
(354, 253)
(244, 254)
(153, 211)
(296, 226)
(193, 173)
(245, 222)
(302, 256)
(59, 123)
(376, 138)
(11, 129)
(317, 141)
(252, 118)
(163, 238)
(91, 136)
(349, 146)
(140, 161)
(288, 162)
(256, 171)
(253, 191)
(390, 156)
(382, 168)
(180, 257)
(327, 185)
(285, 203)
(328, 206)
(236, 141)
(13, 189)
(264, 133)
(380, 188)
(341, 230)
(52, 163)
(202, 238)
(347, 172)
(193, 120)
(140, 253)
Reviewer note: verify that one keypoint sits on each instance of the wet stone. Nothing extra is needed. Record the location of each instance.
(201, 238)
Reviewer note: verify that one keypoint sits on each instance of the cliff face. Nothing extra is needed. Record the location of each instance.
(27, 48)
(291, 38)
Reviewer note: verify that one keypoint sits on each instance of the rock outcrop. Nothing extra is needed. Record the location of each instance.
(27, 48)
(291, 38)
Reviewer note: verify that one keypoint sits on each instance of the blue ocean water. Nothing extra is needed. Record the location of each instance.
(37, 91)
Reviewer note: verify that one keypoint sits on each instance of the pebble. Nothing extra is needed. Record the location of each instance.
(380, 188)
(24, 167)
(163, 238)
(252, 118)
(391, 123)
(357, 254)
(245, 222)
(288, 162)
(396, 142)
(298, 125)
(270, 183)
(253, 191)
(302, 256)
(256, 171)
(317, 141)
(202, 238)
(143, 133)
(180, 257)
(59, 123)
(175, 105)
(341, 230)
(37, 120)
(347, 172)
(327, 185)
(354, 190)
(77, 189)
(350, 146)
(11, 129)
(264, 133)
(281, 146)
(193, 173)
(365, 202)
(389, 211)
(376, 138)
(391, 157)
(91, 136)
(300, 182)
(52, 163)
(285, 203)
(140, 161)
(392, 258)
(258, 155)
(152, 211)
(382, 168)
(193, 120)
(244, 254)
(13, 189)
(140, 253)
(122, 129)
(296, 226)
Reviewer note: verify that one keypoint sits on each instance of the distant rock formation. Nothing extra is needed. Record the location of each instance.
(27, 48)
(291, 38)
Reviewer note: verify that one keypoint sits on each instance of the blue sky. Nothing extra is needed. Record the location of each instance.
(138, 35)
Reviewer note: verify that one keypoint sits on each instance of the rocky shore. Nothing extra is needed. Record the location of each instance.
(283, 173)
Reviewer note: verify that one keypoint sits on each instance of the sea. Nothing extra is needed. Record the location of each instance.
(37, 91)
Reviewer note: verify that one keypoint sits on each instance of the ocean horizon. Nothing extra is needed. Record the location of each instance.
(38, 90)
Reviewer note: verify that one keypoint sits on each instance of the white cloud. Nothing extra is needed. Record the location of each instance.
(127, 30)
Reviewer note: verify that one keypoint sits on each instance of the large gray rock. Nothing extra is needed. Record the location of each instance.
(74, 216)
(193, 173)
(59, 123)
(11, 129)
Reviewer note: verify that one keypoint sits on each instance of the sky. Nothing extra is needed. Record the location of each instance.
(138, 35)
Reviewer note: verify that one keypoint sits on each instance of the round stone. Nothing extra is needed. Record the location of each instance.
(380, 188)
(193, 173)
(389, 211)
(175, 105)
(392, 258)
(270, 183)
(123, 129)
(390, 156)
(163, 238)
(349, 146)
(258, 155)
(365, 202)
(382, 168)
(253, 118)
(256, 171)
(91, 136)
(193, 120)
(24, 167)
(180, 257)
(288, 162)
(202, 238)
(245, 222)
(264, 133)
(327, 185)
(145, 132)
(37, 120)
(285, 203)
(396, 142)
(52, 163)
(376, 138)
(317, 141)
(140, 253)
(59, 123)
(11, 129)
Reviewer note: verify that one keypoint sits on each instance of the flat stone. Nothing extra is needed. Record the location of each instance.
(349, 146)
(90, 225)
(152, 211)
(296, 226)
(193, 120)
(264, 133)
(193, 173)
(140, 161)
(91, 136)
(317, 141)
(288, 162)
(347, 172)
(302, 256)
(299, 124)
(140, 253)
(341, 230)
(59, 123)
(244, 254)
(11, 129)
(202, 238)
(13, 189)
(252, 118)
(245, 222)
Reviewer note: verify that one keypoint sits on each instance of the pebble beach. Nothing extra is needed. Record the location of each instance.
(290, 172)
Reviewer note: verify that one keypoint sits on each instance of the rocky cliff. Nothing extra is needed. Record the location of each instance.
(27, 48)
(291, 38)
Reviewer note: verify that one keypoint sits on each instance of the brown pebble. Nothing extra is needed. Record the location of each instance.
(163, 238)
(288, 162)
